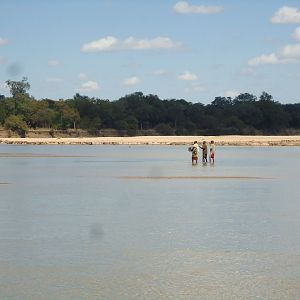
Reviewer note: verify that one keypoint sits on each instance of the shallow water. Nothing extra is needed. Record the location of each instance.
(140, 222)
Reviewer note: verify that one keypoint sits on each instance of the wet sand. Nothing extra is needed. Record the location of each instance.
(192, 177)
(232, 140)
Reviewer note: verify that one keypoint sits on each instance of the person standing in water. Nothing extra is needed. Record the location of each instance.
(212, 150)
(195, 152)
(204, 152)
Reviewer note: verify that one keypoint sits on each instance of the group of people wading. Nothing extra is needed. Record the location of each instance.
(195, 149)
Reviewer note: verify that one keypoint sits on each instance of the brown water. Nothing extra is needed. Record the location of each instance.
(140, 222)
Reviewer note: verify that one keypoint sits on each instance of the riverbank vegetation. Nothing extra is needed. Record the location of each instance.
(132, 114)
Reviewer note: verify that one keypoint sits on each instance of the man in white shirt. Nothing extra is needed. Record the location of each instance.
(195, 153)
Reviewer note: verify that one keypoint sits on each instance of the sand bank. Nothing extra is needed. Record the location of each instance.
(190, 177)
(232, 140)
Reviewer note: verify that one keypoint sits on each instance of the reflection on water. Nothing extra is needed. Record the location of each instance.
(140, 222)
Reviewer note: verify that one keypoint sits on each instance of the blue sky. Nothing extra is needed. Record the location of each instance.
(194, 50)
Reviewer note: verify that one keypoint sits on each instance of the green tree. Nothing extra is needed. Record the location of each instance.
(266, 97)
(244, 98)
(18, 87)
(222, 102)
(176, 112)
(68, 116)
(274, 117)
(132, 122)
(18, 90)
(6, 108)
(164, 129)
(16, 124)
(293, 112)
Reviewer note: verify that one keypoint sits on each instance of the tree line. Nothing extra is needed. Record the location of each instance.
(136, 112)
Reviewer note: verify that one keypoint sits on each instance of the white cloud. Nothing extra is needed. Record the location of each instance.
(144, 44)
(264, 59)
(187, 76)
(111, 43)
(291, 51)
(288, 54)
(89, 86)
(231, 93)
(286, 15)
(82, 76)
(105, 44)
(132, 81)
(296, 34)
(3, 41)
(53, 63)
(54, 79)
(183, 7)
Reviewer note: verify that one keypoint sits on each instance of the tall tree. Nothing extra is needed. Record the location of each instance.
(244, 98)
(18, 87)
(18, 90)
(266, 97)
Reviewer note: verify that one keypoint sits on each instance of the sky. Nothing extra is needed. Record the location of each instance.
(193, 50)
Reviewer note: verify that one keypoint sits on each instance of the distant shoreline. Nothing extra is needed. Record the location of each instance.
(230, 140)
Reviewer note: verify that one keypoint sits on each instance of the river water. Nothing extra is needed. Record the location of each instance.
(140, 222)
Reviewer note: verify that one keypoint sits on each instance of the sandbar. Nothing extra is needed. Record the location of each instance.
(230, 140)
(192, 177)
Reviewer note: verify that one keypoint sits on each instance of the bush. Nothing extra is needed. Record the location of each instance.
(16, 124)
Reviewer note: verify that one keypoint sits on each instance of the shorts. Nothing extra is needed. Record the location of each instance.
(212, 154)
